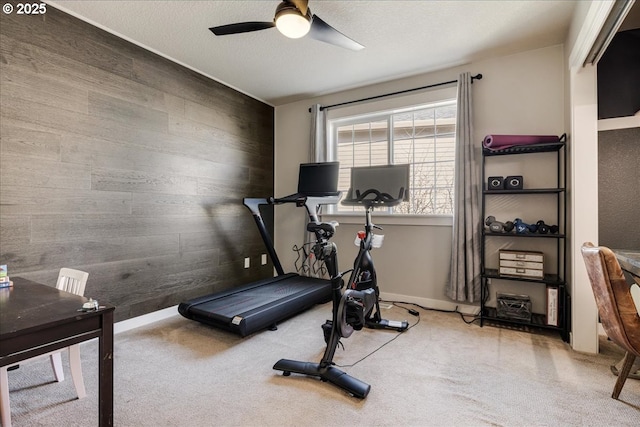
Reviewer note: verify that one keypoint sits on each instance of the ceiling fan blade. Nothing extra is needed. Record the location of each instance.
(241, 27)
(301, 5)
(324, 32)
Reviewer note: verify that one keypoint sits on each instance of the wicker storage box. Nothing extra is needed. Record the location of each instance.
(510, 306)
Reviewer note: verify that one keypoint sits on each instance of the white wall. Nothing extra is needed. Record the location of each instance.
(583, 152)
(582, 115)
(522, 93)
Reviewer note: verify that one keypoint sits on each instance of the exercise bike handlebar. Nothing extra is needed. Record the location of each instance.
(373, 197)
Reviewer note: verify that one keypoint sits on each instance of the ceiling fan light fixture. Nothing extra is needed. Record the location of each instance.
(290, 21)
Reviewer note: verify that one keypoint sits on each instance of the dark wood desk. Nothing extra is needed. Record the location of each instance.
(36, 319)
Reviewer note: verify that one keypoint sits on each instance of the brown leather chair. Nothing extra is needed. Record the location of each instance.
(617, 310)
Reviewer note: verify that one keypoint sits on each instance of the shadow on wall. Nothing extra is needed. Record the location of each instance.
(232, 242)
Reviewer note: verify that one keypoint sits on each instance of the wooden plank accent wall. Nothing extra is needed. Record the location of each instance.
(123, 164)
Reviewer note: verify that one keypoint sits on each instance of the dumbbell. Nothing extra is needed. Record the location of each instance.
(495, 226)
(542, 227)
(508, 226)
(545, 228)
(524, 228)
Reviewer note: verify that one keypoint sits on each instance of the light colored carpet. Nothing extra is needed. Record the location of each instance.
(441, 372)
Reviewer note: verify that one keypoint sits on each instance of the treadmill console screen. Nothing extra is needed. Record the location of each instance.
(318, 179)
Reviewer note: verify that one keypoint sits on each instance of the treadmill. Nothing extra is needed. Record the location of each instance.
(260, 305)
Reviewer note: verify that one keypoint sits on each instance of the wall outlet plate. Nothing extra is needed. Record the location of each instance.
(247, 262)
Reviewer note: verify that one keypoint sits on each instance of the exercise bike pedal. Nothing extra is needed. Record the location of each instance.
(326, 330)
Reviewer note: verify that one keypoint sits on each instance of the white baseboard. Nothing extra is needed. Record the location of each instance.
(432, 303)
(146, 319)
(156, 316)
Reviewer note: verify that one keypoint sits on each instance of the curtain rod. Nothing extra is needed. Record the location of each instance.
(476, 77)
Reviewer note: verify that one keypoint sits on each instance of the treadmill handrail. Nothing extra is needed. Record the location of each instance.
(311, 203)
(254, 206)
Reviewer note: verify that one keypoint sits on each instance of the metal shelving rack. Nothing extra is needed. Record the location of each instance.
(555, 278)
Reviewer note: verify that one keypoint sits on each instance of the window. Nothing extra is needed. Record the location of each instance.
(422, 136)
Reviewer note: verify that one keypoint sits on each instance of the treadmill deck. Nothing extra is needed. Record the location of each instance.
(259, 305)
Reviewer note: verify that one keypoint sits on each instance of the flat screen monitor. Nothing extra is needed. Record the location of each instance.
(390, 179)
(318, 179)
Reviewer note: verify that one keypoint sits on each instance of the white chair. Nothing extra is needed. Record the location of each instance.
(69, 280)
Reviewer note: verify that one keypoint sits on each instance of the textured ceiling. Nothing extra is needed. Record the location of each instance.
(402, 38)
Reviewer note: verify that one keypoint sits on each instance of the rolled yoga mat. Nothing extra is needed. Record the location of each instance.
(500, 142)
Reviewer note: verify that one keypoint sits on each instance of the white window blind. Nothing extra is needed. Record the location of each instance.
(422, 136)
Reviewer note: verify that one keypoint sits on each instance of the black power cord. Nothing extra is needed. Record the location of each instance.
(462, 315)
(415, 313)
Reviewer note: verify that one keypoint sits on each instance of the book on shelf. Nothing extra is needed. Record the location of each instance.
(552, 306)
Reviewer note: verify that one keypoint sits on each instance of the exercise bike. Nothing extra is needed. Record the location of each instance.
(363, 275)
(352, 309)
(348, 314)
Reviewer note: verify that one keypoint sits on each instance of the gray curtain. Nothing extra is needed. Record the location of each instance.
(464, 284)
(317, 153)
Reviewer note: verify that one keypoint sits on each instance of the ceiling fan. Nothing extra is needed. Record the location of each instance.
(293, 18)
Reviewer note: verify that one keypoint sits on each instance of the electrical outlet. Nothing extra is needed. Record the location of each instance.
(247, 262)
(264, 259)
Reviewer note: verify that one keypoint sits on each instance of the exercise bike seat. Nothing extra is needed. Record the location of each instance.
(325, 229)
